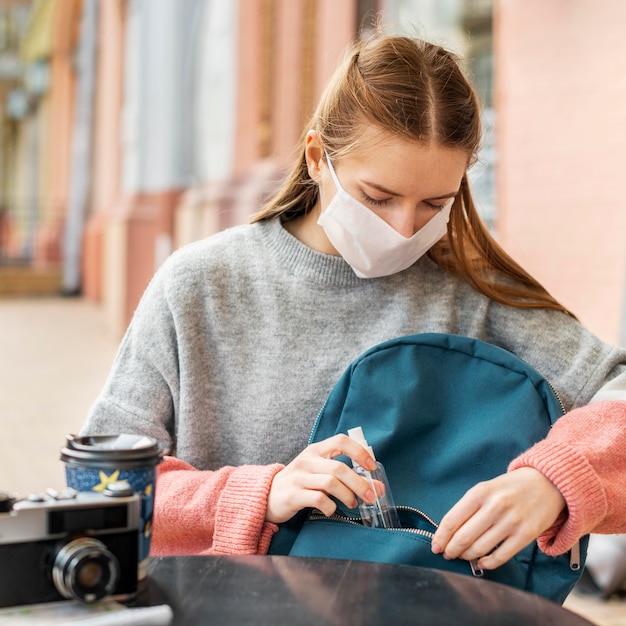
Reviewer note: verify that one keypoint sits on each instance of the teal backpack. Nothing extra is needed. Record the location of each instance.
(442, 413)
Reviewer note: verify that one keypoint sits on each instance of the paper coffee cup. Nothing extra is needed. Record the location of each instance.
(93, 462)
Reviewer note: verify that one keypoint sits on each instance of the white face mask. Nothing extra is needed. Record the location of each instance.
(367, 243)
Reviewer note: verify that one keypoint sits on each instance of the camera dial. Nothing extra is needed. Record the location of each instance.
(84, 569)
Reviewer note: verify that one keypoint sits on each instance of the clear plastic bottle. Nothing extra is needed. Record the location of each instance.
(382, 512)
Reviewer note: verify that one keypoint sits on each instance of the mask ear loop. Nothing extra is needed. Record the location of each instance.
(333, 174)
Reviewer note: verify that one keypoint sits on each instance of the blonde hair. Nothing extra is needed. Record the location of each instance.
(417, 91)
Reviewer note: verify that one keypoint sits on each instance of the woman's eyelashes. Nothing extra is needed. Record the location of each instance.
(435, 206)
(440, 204)
(374, 201)
(378, 202)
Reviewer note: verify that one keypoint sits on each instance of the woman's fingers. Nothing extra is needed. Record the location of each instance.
(314, 478)
(491, 523)
(332, 476)
(335, 446)
(496, 519)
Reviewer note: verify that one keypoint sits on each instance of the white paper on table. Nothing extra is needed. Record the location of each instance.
(102, 613)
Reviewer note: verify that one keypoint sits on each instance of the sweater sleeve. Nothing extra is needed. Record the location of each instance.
(211, 512)
(584, 455)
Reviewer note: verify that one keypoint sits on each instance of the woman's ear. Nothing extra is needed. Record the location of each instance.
(313, 152)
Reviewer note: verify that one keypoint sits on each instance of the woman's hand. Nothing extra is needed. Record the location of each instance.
(495, 519)
(313, 476)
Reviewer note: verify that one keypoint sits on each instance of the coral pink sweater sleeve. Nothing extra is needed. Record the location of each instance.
(211, 512)
(584, 455)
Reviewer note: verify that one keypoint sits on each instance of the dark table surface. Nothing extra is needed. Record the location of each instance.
(276, 590)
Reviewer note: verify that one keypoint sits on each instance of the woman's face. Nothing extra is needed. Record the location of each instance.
(404, 182)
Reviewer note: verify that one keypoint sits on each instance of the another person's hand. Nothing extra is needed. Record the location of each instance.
(313, 476)
(497, 518)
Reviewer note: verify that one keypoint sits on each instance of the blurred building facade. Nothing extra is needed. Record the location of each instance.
(560, 98)
(137, 126)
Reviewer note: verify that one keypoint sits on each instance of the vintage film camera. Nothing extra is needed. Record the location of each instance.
(69, 545)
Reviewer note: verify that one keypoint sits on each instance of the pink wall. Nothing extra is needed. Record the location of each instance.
(278, 84)
(560, 94)
(107, 153)
(65, 19)
(247, 133)
(337, 23)
(109, 102)
(288, 77)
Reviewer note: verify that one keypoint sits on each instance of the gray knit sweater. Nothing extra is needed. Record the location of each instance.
(240, 337)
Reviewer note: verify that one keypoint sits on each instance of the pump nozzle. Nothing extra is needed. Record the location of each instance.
(357, 435)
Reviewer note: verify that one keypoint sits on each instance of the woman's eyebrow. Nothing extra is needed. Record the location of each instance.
(446, 196)
(382, 189)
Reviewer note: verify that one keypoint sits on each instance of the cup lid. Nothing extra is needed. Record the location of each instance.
(120, 447)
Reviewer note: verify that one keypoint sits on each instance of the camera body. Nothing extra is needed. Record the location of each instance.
(69, 545)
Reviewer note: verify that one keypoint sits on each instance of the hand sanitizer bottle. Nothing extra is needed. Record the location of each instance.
(382, 512)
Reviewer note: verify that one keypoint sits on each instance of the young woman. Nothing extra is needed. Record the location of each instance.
(239, 338)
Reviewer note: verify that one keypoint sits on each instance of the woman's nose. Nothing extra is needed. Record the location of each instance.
(404, 221)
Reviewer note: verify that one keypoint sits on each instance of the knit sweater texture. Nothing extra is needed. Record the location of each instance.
(239, 339)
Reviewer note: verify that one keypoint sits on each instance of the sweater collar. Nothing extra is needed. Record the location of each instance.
(305, 262)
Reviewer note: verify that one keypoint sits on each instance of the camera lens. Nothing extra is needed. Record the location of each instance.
(84, 569)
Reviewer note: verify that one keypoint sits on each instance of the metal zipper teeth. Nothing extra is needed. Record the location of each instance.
(574, 553)
(338, 517)
(317, 421)
(557, 396)
(412, 509)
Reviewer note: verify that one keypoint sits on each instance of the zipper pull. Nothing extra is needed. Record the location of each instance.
(574, 557)
(476, 571)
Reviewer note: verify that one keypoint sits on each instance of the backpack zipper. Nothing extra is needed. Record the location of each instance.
(574, 553)
(558, 397)
(339, 517)
(574, 561)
